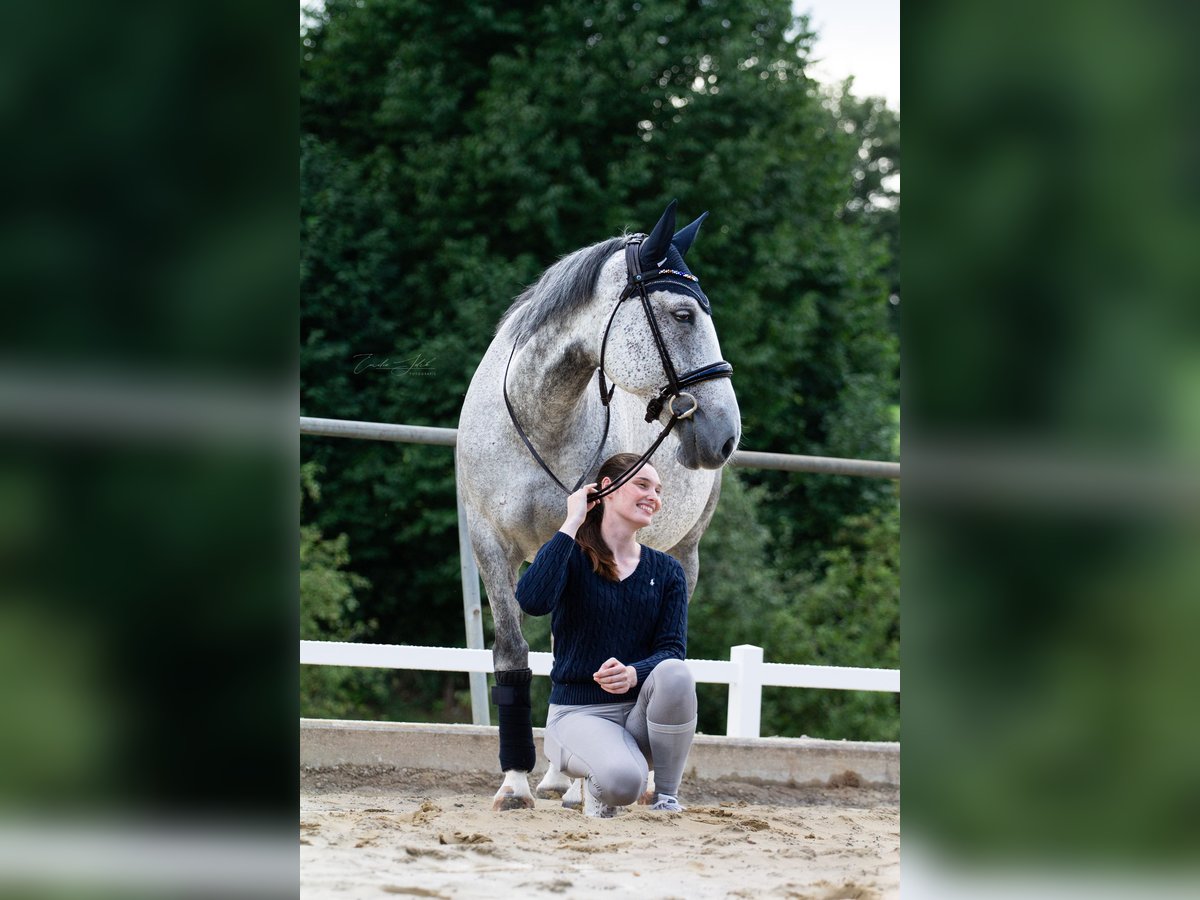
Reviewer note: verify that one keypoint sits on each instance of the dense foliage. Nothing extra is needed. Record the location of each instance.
(450, 152)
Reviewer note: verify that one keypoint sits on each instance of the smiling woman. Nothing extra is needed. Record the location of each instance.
(622, 698)
(600, 537)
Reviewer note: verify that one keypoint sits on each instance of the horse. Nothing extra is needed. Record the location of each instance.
(540, 406)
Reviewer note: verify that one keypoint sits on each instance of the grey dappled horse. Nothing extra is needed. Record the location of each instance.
(538, 418)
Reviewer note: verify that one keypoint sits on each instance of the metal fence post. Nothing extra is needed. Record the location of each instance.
(472, 611)
(745, 692)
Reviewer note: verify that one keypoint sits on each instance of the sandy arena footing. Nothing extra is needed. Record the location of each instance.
(401, 825)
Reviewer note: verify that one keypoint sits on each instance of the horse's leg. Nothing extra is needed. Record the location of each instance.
(553, 784)
(650, 795)
(510, 658)
(573, 798)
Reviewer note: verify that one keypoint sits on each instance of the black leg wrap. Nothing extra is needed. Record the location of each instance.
(511, 696)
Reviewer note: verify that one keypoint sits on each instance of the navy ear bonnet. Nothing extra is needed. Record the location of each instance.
(679, 284)
(660, 254)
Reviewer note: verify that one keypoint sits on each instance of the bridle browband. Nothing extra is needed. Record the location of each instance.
(674, 388)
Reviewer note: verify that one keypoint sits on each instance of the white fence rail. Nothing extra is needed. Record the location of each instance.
(747, 459)
(744, 672)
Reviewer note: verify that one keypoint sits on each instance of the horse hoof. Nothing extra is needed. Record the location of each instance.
(507, 800)
(573, 804)
(549, 793)
(647, 798)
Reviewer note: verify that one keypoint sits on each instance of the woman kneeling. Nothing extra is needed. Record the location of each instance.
(622, 700)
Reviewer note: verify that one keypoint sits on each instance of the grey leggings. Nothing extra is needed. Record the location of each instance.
(614, 745)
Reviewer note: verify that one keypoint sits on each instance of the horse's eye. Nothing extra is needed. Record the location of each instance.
(682, 315)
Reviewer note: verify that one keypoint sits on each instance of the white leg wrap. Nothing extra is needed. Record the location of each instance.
(651, 795)
(553, 784)
(573, 798)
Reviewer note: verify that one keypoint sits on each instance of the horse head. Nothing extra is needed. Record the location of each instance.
(665, 350)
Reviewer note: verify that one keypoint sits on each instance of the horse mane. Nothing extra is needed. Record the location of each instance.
(560, 291)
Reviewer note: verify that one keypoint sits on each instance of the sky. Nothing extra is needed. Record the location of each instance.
(859, 38)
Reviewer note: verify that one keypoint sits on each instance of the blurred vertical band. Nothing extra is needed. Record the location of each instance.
(1052, 416)
(147, 467)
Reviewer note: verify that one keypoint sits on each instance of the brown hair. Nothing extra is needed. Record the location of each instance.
(589, 536)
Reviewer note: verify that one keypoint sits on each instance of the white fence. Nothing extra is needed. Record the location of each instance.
(744, 672)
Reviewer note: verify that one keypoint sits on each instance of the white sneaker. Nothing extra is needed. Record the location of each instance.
(667, 803)
(592, 807)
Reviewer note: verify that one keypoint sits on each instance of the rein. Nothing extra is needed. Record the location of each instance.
(674, 388)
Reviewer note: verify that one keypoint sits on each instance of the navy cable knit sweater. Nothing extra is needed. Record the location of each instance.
(641, 621)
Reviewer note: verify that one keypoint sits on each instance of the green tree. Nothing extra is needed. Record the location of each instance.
(876, 202)
(450, 152)
(737, 594)
(327, 602)
(328, 611)
(849, 616)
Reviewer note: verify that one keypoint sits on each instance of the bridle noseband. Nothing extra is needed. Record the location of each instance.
(636, 283)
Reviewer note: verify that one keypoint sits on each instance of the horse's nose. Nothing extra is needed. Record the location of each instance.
(728, 448)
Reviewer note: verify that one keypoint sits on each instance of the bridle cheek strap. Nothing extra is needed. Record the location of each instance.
(674, 388)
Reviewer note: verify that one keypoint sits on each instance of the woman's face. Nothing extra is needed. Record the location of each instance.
(638, 499)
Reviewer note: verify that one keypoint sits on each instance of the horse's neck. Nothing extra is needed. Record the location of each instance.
(548, 383)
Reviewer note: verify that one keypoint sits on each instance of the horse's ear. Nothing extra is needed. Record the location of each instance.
(655, 247)
(684, 237)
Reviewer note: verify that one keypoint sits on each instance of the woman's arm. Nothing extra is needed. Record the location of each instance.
(578, 506)
(541, 587)
(671, 640)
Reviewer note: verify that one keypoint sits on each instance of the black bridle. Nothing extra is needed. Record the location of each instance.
(636, 281)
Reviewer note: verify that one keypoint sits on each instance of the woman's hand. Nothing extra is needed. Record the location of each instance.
(578, 506)
(616, 677)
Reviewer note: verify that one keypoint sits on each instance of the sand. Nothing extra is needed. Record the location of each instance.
(381, 831)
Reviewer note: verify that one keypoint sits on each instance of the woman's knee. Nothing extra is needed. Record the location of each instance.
(673, 676)
(621, 785)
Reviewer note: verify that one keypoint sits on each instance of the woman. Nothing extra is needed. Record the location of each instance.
(622, 700)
